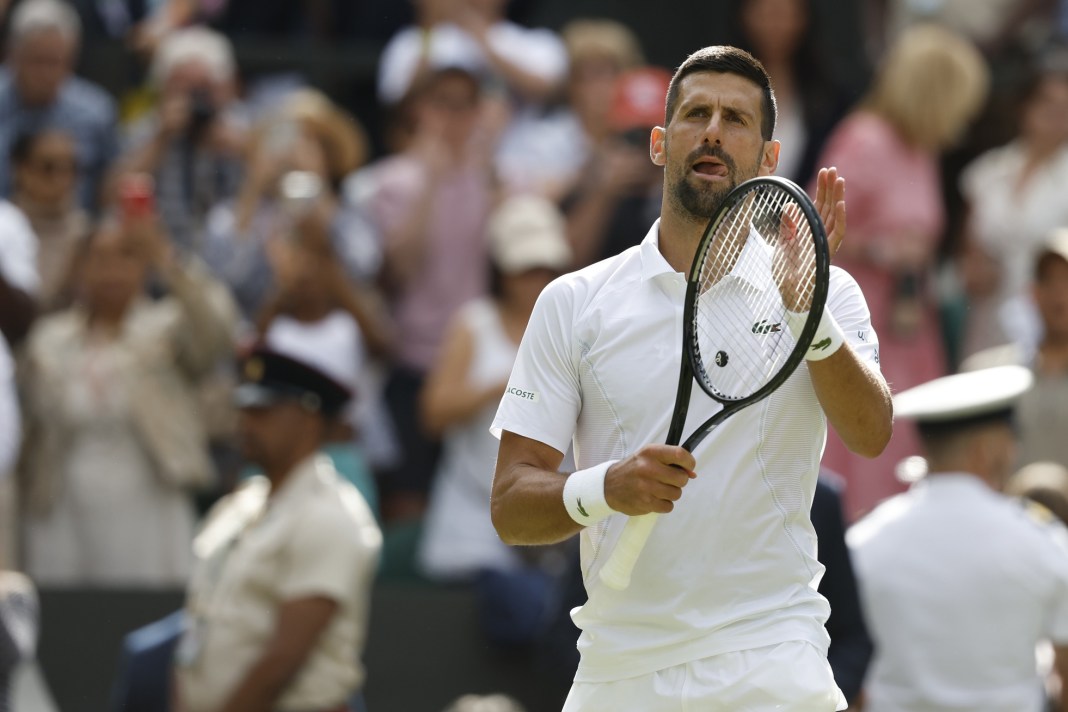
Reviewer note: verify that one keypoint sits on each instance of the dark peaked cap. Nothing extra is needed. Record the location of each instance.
(268, 378)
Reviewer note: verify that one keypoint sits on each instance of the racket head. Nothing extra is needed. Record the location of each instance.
(736, 332)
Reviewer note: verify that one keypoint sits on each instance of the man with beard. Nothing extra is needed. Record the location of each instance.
(722, 612)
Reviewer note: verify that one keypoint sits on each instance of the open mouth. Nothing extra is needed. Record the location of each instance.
(711, 167)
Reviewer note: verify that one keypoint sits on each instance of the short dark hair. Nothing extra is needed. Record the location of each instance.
(724, 59)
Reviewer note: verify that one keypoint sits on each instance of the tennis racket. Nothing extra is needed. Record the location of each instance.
(763, 262)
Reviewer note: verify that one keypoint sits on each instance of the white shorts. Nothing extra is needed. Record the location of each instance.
(789, 677)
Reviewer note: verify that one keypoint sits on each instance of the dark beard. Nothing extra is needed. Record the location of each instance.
(703, 201)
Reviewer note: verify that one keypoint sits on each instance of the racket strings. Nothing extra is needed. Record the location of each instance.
(759, 265)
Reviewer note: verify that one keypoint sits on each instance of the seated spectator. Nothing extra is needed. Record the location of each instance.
(45, 167)
(38, 90)
(1014, 196)
(115, 439)
(431, 204)
(528, 249)
(192, 142)
(546, 152)
(475, 35)
(1045, 483)
(307, 134)
(930, 87)
(1042, 411)
(620, 189)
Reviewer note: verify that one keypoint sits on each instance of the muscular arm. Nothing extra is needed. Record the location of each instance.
(301, 622)
(527, 503)
(855, 399)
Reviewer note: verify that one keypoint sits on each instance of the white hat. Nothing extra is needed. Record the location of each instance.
(526, 232)
(964, 396)
(1039, 475)
(1056, 244)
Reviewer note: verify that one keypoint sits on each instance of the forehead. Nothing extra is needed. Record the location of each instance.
(717, 88)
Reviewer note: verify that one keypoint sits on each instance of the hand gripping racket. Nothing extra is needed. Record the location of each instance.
(762, 264)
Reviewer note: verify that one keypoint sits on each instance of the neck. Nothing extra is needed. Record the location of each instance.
(1039, 151)
(1053, 353)
(679, 235)
(280, 471)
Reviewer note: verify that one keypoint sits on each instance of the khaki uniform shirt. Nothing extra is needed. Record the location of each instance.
(314, 537)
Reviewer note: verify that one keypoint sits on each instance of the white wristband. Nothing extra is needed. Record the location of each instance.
(827, 340)
(584, 494)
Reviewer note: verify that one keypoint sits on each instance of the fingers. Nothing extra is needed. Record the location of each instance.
(651, 480)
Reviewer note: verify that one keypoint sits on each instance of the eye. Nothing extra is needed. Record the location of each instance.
(697, 112)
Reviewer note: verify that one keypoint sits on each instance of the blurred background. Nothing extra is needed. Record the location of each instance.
(342, 175)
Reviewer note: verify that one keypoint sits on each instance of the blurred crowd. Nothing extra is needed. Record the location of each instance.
(143, 250)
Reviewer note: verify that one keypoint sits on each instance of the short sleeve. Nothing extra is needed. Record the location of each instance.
(329, 555)
(847, 305)
(543, 398)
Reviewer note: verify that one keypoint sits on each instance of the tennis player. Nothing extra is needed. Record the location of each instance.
(722, 612)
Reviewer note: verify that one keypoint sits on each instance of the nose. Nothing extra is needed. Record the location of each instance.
(713, 133)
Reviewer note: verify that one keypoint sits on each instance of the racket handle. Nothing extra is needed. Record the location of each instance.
(617, 570)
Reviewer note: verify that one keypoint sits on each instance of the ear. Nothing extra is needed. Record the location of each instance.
(769, 159)
(658, 146)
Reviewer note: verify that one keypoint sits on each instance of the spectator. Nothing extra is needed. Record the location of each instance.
(115, 437)
(929, 87)
(45, 167)
(620, 189)
(19, 278)
(193, 141)
(1045, 483)
(278, 604)
(10, 442)
(958, 584)
(784, 36)
(431, 203)
(1014, 196)
(546, 153)
(472, 34)
(528, 249)
(1043, 410)
(38, 90)
(308, 134)
(318, 316)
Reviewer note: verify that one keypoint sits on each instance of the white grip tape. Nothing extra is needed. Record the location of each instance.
(617, 570)
(827, 340)
(584, 494)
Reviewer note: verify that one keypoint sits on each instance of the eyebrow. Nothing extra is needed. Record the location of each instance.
(726, 108)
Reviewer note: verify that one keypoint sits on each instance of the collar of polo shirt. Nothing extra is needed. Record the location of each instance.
(756, 250)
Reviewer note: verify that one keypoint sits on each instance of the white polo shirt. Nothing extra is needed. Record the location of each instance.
(959, 584)
(734, 566)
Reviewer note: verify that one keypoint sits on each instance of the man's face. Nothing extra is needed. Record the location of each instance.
(712, 142)
(266, 434)
(42, 61)
(1051, 296)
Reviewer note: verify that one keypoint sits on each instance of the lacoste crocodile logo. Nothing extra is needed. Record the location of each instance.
(821, 345)
(763, 327)
(582, 511)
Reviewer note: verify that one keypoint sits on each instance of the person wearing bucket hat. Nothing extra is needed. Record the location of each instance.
(294, 551)
(959, 582)
(528, 248)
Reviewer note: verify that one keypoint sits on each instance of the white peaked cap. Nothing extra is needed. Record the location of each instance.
(964, 396)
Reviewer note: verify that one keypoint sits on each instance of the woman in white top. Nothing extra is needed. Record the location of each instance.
(1015, 198)
(528, 249)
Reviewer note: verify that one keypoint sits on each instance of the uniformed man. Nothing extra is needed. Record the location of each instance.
(278, 602)
(959, 582)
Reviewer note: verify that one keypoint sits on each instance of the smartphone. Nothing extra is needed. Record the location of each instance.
(137, 195)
